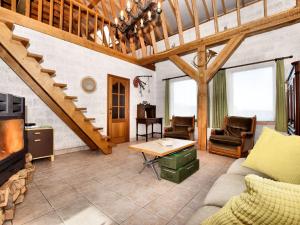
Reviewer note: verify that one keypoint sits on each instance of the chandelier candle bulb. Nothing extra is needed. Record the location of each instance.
(159, 8)
(149, 15)
(122, 15)
(142, 23)
(116, 21)
(128, 8)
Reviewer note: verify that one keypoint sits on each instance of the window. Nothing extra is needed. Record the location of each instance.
(183, 97)
(252, 92)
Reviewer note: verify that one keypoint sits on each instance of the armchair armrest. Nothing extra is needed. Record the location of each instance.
(246, 134)
(168, 129)
(190, 129)
(217, 132)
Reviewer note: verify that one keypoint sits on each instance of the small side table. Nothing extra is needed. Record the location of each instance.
(147, 122)
(40, 142)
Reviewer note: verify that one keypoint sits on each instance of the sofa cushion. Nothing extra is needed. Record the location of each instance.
(227, 140)
(265, 202)
(276, 155)
(225, 187)
(177, 134)
(237, 168)
(202, 214)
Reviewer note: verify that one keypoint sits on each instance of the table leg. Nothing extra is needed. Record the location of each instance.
(150, 163)
(152, 130)
(161, 129)
(137, 131)
(146, 132)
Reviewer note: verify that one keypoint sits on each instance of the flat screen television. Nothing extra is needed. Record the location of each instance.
(11, 137)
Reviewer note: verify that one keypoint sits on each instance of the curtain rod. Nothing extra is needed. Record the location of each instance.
(258, 62)
(241, 65)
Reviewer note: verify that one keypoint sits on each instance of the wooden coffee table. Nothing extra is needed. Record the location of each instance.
(157, 150)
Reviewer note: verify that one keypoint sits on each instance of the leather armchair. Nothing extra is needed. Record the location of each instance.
(235, 139)
(181, 128)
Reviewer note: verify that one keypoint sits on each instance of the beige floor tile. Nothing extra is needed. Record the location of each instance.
(121, 209)
(182, 217)
(144, 217)
(88, 187)
(83, 213)
(31, 211)
(49, 219)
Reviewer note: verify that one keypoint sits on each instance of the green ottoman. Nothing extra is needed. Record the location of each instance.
(180, 174)
(178, 159)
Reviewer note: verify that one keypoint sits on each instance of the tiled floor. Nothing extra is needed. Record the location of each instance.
(89, 188)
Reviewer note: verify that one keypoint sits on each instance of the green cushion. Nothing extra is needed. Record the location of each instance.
(264, 202)
(277, 156)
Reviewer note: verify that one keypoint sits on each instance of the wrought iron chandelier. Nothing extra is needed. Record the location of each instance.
(144, 14)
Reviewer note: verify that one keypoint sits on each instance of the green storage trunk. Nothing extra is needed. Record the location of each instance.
(181, 174)
(179, 159)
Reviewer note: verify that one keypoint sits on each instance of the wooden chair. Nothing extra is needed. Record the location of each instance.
(235, 139)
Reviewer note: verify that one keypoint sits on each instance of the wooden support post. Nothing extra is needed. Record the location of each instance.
(87, 24)
(95, 27)
(265, 8)
(202, 113)
(142, 42)
(71, 17)
(40, 10)
(238, 12)
(132, 47)
(61, 15)
(51, 12)
(153, 39)
(79, 21)
(27, 8)
(14, 5)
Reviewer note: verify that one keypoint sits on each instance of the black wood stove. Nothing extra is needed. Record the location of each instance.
(13, 145)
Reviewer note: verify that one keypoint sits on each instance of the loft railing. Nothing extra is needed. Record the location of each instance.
(70, 16)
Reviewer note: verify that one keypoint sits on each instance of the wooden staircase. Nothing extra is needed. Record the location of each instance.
(13, 50)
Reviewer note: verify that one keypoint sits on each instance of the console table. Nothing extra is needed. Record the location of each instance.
(147, 122)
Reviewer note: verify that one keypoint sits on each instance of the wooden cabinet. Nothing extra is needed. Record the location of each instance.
(40, 142)
(293, 99)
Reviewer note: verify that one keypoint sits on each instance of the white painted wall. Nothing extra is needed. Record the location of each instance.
(72, 63)
(277, 43)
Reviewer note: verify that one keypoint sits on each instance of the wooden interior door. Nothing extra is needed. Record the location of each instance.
(118, 109)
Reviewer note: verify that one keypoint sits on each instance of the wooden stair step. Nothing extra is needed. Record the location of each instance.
(110, 144)
(50, 72)
(60, 85)
(10, 26)
(38, 58)
(80, 109)
(71, 97)
(89, 119)
(24, 41)
(98, 128)
(106, 138)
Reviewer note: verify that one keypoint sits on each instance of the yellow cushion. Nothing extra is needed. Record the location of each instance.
(277, 156)
(264, 202)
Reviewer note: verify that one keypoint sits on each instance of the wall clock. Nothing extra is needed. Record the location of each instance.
(89, 84)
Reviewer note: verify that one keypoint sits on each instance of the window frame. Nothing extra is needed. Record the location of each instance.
(230, 91)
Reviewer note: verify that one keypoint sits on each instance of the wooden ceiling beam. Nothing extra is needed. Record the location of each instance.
(184, 66)
(190, 11)
(249, 29)
(206, 9)
(196, 19)
(214, 5)
(223, 56)
(179, 22)
(165, 30)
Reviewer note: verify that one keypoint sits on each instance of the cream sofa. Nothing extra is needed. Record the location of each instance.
(226, 186)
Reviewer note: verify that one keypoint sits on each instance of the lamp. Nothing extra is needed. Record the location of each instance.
(133, 21)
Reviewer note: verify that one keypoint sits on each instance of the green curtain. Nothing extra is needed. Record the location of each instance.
(281, 111)
(167, 102)
(219, 99)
